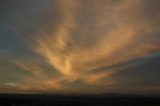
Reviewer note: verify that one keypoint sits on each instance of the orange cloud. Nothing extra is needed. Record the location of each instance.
(109, 34)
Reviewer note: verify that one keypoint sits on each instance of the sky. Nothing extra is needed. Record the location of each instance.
(80, 46)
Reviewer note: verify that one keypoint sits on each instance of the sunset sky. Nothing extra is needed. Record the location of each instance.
(80, 46)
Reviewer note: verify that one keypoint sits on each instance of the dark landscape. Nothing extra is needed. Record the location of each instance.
(78, 100)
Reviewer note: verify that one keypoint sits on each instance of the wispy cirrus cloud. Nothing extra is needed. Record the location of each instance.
(89, 41)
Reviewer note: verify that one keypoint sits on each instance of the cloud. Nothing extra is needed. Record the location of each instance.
(88, 41)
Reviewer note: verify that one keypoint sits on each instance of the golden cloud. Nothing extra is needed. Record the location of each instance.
(88, 37)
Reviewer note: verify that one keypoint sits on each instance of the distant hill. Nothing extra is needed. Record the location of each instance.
(105, 99)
